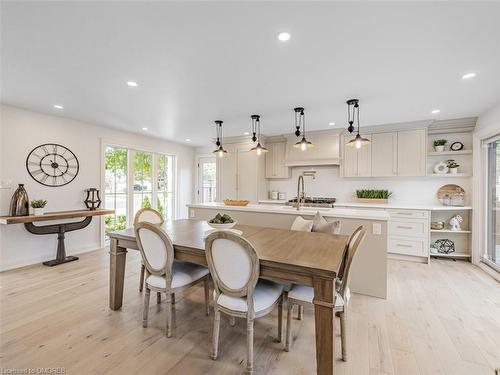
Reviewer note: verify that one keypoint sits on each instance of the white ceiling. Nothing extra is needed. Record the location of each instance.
(198, 62)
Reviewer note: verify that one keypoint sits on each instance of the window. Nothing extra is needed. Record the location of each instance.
(493, 202)
(207, 186)
(137, 179)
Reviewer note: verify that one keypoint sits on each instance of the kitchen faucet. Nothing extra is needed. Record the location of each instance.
(300, 195)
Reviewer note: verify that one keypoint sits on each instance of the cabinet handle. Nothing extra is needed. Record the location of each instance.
(403, 227)
(404, 213)
(403, 245)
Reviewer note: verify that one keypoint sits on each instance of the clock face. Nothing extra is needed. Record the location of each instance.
(52, 165)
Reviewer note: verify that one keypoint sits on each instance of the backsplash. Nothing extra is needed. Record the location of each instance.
(328, 183)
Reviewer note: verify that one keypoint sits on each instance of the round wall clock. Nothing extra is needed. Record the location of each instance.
(456, 146)
(52, 165)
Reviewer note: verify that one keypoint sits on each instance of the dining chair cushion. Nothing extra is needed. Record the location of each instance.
(154, 248)
(183, 273)
(265, 295)
(302, 224)
(306, 294)
(232, 263)
(321, 225)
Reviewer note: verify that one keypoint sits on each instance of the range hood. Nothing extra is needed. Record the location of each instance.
(326, 151)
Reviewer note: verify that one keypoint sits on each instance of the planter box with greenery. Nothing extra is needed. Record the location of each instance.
(373, 196)
(439, 144)
(38, 206)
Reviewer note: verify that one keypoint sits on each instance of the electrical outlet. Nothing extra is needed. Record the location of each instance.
(191, 213)
(377, 228)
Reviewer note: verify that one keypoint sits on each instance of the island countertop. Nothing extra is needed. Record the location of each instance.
(349, 213)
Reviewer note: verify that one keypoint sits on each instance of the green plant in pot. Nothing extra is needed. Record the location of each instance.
(373, 195)
(439, 144)
(38, 206)
(452, 166)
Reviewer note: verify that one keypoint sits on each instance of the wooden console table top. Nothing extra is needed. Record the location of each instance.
(54, 216)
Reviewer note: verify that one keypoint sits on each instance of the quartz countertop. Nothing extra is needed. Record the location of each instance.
(348, 213)
(401, 206)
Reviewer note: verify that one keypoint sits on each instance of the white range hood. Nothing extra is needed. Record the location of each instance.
(326, 151)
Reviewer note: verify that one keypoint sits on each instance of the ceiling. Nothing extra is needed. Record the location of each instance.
(196, 62)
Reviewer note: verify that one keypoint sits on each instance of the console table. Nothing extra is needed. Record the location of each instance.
(60, 229)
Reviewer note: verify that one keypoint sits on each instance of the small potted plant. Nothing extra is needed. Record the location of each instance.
(439, 144)
(38, 206)
(373, 196)
(452, 166)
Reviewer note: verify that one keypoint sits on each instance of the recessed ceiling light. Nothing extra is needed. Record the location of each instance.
(435, 111)
(145, 129)
(188, 139)
(246, 133)
(132, 84)
(283, 36)
(331, 123)
(468, 75)
(58, 106)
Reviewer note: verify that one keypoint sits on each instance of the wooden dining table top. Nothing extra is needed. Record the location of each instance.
(320, 252)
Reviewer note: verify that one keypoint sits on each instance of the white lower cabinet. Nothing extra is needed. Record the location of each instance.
(406, 246)
(408, 233)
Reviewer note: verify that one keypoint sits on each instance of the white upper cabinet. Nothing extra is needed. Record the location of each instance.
(411, 152)
(357, 161)
(384, 154)
(326, 150)
(275, 161)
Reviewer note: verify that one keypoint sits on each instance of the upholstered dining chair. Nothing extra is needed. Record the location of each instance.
(238, 292)
(165, 275)
(151, 216)
(303, 295)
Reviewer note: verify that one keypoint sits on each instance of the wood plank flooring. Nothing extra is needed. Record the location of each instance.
(442, 318)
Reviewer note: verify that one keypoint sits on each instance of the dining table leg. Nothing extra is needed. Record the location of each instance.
(118, 256)
(324, 319)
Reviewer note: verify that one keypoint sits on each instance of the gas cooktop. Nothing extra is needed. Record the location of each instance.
(314, 202)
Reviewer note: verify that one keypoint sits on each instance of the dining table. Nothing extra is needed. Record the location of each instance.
(286, 256)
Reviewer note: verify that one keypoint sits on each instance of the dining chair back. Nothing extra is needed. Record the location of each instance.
(149, 215)
(155, 247)
(352, 249)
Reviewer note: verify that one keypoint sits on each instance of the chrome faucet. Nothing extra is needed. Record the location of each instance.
(300, 195)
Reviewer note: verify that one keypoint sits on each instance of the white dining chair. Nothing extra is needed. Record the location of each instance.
(238, 292)
(303, 295)
(150, 216)
(165, 275)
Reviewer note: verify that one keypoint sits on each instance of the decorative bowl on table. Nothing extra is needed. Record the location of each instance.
(222, 222)
(222, 226)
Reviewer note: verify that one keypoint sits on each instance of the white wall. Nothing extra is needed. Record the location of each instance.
(20, 132)
(328, 183)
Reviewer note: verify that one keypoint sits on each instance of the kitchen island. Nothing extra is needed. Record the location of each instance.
(369, 274)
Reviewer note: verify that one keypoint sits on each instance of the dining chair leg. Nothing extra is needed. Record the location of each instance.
(158, 298)
(207, 294)
(289, 312)
(343, 335)
(280, 319)
(169, 315)
(215, 334)
(146, 307)
(300, 312)
(232, 321)
(141, 281)
(172, 298)
(249, 346)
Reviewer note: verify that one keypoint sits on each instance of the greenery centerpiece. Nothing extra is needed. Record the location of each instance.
(373, 195)
(38, 206)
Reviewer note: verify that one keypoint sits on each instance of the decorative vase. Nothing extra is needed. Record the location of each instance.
(38, 211)
(439, 148)
(19, 204)
(453, 170)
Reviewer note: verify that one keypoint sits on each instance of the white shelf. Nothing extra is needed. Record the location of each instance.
(450, 231)
(451, 255)
(449, 175)
(444, 153)
(452, 208)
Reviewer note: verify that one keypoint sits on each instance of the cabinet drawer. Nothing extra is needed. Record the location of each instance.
(417, 228)
(409, 214)
(407, 247)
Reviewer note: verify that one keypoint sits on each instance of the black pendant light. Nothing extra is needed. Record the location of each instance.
(352, 114)
(219, 150)
(258, 149)
(300, 123)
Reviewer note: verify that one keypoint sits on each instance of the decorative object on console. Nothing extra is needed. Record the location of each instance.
(455, 222)
(441, 168)
(219, 151)
(445, 246)
(236, 202)
(358, 141)
(452, 166)
(451, 195)
(93, 201)
(259, 149)
(436, 225)
(373, 196)
(52, 164)
(439, 144)
(300, 122)
(19, 204)
(38, 206)
(457, 146)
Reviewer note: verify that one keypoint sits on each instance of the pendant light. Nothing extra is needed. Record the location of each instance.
(300, 122)
(259, 149)
(353, 113)
(219, 151)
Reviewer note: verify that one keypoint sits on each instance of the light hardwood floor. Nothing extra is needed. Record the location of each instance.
(438, 319)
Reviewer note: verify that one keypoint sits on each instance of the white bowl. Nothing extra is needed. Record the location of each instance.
(223, 226)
